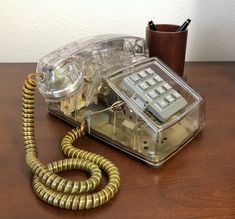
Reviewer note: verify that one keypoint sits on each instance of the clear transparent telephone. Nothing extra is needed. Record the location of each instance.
(131, 101)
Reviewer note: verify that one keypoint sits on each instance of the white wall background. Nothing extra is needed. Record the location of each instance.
(29, 29)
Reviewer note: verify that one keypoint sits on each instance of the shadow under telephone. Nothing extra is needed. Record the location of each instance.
(125, 98)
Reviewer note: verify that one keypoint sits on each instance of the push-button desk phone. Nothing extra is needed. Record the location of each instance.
(109, 85)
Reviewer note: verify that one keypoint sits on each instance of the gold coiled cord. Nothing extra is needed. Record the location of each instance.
(56, 190)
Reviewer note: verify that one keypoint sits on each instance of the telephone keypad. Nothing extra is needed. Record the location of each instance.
(155, 94)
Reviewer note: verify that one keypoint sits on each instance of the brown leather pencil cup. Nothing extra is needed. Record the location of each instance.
(168, 45)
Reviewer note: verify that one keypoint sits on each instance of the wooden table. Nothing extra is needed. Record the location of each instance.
(198, 182)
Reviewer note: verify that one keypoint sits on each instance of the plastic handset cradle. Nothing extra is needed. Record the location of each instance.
(131, 101)
(154, 94)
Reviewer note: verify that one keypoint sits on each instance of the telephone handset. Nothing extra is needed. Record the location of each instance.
(125, 98)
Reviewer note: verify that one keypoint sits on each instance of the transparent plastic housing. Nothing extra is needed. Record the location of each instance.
(86, 81)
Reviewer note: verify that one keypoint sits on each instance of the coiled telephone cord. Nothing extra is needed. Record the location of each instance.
(56, 190)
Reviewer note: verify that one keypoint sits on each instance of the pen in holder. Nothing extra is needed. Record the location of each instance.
(169, 45)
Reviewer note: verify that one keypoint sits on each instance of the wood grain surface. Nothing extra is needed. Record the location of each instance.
(198, 182)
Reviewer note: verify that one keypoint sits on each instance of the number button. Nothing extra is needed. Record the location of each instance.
(176, 94)
(167, 86)
(135, 78)
(149, 71)
(161, 90)
(152, 94)
(162, 103)
(158, 79)
(143, 74)
(143, 86)
(169, 98)
(151, 82)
